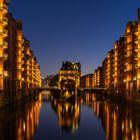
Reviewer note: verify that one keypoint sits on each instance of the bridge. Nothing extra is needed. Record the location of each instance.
(81, 89)
(93, 89)
(47, 88)
(66, 95)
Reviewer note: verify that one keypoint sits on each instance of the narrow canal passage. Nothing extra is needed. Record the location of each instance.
(90, 117)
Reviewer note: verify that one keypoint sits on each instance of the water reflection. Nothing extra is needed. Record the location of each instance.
(90, 117)
(19, 123)
(28, 122)
(119, 122)
(68, 114)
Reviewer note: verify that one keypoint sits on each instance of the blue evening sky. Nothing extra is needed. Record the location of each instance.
(77, 30)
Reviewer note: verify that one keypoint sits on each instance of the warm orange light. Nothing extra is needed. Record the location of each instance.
(5, 74)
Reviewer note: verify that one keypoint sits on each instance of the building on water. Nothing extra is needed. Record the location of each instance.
(69, 76)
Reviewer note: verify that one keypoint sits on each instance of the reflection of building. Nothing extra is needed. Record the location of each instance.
(20, 124)
(27, 125)
(19, 69)
(118, 122)
(68, 115)
(69, 73)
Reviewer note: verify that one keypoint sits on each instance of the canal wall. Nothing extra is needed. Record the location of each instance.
(122, 99)
(10, 99)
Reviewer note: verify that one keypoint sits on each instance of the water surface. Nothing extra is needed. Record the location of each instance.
(90, 117)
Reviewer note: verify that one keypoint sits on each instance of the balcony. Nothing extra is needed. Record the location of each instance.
(23, 55)
(3, 9)
(19, 43)
(5, 45)
(135, 54)
(136, 38)
(136, 47)
(5, 20)
(1, 55)
(5, 32)
(5, 56)
(18, 61)
(22, 48)
(128, 56)
(5, 74)
(1, 35)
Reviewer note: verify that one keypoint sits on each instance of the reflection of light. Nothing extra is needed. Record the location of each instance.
(74, 127)
(115, 116)
(72, 108)
(5, 73)
(133, 136)
(40, 97)
(122, 125)
(24, 127)
(117, 107)
(134, 78)
(131, 125)
(55, 103)
(31, 116)
(66, 108)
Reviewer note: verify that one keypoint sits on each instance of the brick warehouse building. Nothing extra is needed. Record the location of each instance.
(19, 68)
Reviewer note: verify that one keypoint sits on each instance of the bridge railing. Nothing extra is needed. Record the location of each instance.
(47, 88)
(92, 88)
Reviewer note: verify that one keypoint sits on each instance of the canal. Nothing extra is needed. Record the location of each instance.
(90, 117)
